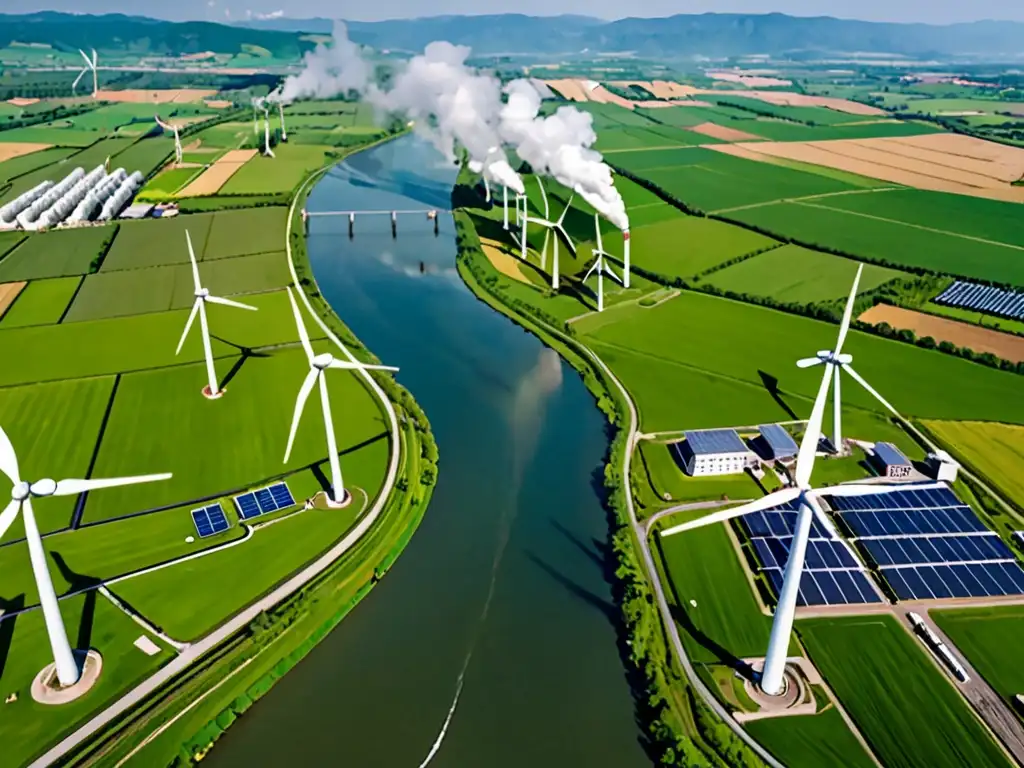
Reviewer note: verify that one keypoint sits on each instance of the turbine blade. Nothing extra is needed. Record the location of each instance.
(78, 79)
(348, 366)
(809, 362)
(568, 205)
(73, 487)
(300, 403)
(544, 196)
(192, 258)
(809, 444)
(88, 61)
(593, 267)
(8, 458)
(568, 241)
(188, 323)
(860, 380)
(94, 58)
(303, 336)
(771, 500)
(866, 489)
(544, 249)
(597, 228)
(230, 303)
(848, 312)
(7, 516)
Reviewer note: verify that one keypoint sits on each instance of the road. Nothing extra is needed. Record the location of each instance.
(199, 649)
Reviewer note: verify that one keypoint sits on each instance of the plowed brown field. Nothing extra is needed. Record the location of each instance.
(723, 133)
(14, 149)
(982, 340)
(8, 293)
(217, 175)
(167, 96)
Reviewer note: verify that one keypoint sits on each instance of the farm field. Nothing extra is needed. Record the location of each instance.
(210, 181)
(726, 625)
(61, 134)
(810, 741)
(41, 302)
(994, 450)
(976, 318)
(167, 182)
(989, 638)
(906, 375)
(942, 329)
(283, 173)
(58, 253)
(875, 238)
(799, 276)
(903, 705)
(17, 166)
(145, 155)
(222, 136)
(94, 154)
(254, 230)
(849, 127)
(158, 289)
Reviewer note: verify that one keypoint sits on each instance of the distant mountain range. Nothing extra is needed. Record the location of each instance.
(710, 34)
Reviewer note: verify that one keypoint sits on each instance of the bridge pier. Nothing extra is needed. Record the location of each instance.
(394, 223)
(351, 224)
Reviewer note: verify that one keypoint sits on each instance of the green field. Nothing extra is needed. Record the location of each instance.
(166, 183)
(799, 276)
(95, 154)
(41, 302)
(145, 155)
(61, 134)
(994, 450)
(740, 342)
(57, 253)
(225, 135)
(990, 639)
(9, 240)
(905, 707)
(855, 128)
(282, 173)
(236, 233)
(158, 289)
(685, 246)
(54, 428)
(630, 138)
(669, 482)
(810, 741)
(873, 236)
(727, 623)
(17, 166)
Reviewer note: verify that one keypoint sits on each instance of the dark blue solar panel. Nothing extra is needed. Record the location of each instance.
(757, 525)
(282, 496)
(265, 500)
(218, 521)
(209, 520)
(247, 506)
(810, 591)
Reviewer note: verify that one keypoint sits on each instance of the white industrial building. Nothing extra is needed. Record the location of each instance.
(714, 452)
(942, 466)
(776, 443)
(889, 462)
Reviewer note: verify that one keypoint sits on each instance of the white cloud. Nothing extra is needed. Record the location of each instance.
(271, 15)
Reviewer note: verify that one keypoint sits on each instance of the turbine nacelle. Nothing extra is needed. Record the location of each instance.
(21, 491)
(44, 487)
(320, 362)
(825, 356)
(202, 293)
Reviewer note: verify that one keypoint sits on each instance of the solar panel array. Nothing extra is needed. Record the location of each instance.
(209, 520)
(928, 545)
(703, 441)
(263, 500)
(984, 298)
(831, 576)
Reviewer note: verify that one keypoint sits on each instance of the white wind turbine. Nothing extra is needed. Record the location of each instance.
(267, 151)
(89, 64)
(317, 365)
(212, 390)
(255, 119)
(600, 266)
(280, 113)
(177, 138)
(68, 670)
(808, 508)
(552, 227)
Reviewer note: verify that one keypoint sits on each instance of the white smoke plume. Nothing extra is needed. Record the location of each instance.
(330, 70)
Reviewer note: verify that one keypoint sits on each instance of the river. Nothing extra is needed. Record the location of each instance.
(500, 601)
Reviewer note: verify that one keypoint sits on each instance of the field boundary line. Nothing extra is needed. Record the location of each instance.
(74, 295)
(820, 196)
(141, 620)
(913, 226)
(83, 498)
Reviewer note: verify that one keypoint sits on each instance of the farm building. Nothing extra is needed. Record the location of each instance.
(714, 452)
(889, 462)
(776, 443)
(942, 466)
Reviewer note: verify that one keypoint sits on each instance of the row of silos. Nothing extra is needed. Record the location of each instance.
(75, 199)
(9, 212)
(67, 203)
(97, 196)
(122, 196)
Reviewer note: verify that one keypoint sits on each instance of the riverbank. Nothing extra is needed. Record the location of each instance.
(679, 725)
(182, 721)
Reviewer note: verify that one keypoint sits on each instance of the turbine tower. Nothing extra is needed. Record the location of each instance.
(600, 266)
(68, 671)
(89, 64)
(551, 227)
(317, 365)
(255, 119)
(280, 113)
(203, 297)
(177, 139)
(267, 151)
(808, 508)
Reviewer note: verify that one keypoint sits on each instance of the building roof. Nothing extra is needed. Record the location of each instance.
(137, 211)
(706, 441)
(942, 457)
(779, 440)
(890, 455)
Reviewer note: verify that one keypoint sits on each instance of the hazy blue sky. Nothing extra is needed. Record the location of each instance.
(933, 11)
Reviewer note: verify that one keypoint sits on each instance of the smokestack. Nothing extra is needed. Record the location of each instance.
(504, 202)
(625, 258)
(280, 111)
(522, 223)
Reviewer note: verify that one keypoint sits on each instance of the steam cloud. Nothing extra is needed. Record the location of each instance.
(453, 104)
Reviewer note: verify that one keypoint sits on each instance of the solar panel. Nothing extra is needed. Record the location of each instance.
(779, 440)
(983, 298)
(263, 501)
(705, 441)
(209, 520)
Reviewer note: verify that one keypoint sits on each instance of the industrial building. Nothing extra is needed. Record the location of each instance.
(775, 443)
(942, 466)
(714, 452)
(889, 462)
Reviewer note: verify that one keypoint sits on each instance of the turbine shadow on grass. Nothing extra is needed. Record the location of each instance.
(78, 583)
(771, 384)
(247, 354)
(13, 606)
(317, 467)
(724, 656)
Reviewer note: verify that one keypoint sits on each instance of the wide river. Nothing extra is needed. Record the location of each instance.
(490, 643)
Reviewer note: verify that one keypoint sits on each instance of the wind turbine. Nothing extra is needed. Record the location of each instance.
(551, 226)
(267, 151)
(280, 112)
(68, 671)
(600, 266)
(212, 390)
(177, 139)
(317, 365)
(808, 508)
(89, 64)
(255, 119)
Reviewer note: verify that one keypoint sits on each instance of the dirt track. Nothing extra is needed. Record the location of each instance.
(217, 175)
(973, 337)
(8, 293)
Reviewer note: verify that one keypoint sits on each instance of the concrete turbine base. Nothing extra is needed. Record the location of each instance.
(323, 500)
(46, 689)
(796, 698)
(215, 395)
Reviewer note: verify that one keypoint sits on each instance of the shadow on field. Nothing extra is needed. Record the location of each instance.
(772, 385)
(78, 583)
(317, 468)
(12, 605)
(247, 354)
(723, 656)
(603, 605)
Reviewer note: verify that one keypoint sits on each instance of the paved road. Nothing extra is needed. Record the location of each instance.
(197, 650)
